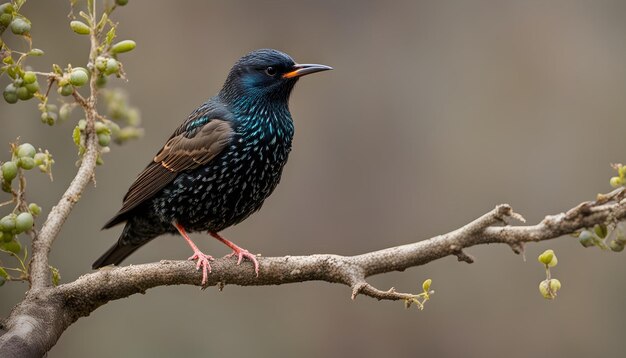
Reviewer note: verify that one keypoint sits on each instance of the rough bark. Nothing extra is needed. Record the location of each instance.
(36, 323)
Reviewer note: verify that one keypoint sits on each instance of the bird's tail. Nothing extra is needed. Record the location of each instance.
(124, 247)
(115, 255)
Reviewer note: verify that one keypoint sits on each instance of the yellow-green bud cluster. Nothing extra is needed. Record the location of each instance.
(620, 179)
(548, 258)
(549, 286)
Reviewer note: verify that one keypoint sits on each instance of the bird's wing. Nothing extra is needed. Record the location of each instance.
(185, 150)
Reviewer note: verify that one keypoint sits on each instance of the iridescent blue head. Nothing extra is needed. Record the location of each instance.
(265, 75)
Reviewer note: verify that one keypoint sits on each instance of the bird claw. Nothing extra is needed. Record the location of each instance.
(241, 253)
(203, 261)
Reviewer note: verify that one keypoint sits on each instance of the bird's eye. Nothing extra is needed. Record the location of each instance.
(270, 71)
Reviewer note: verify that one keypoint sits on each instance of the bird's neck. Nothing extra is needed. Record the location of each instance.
(259, 113)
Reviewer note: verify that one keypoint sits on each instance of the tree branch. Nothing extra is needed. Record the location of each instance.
(40, 276)
(38, 321)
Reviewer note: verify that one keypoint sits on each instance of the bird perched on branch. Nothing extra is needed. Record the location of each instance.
(219, 165)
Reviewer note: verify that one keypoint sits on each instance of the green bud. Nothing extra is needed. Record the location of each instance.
(104, 139)
(123, 46)
(426, 285)
(7, 8)
(121, 2)
(616, 246)
(34, 209)
(27, 163)
(80, 27)
(9, 171)
(5, 19)
(79, 77)
(11, 246)
(32, 87)
(24, 94)
(26, 150)
(548, 258)
(548, 288)
(65, 112)
(600, 230)
(7, 223)
(36, 52)
(29, 77)
(66, 90)
(40, 158)
(101, 127)
(10, 94)
(48, 118)
(112, 66)
(586, 238)
(20, 26)
(24, 222)
(101, 63)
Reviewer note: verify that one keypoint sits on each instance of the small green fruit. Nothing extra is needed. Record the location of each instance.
(7, 223)
(20, 26)
(48, 118)
(36, 52)
(123, 46)
(34, 209)
(5, 19)
(24, 222)
(24, 94)
(104, 139)
(121, 2)
(26, 150)
(79, 77)
(29, 77)
(32, 87)
(26, 163)
(9, 171)
(586, 238)
(112, 66)
(7, 8)
(66, 90)
(10, 94)
(80, 27)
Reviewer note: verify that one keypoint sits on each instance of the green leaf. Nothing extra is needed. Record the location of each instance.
(76, 136)
(56, 275)
(110, 36)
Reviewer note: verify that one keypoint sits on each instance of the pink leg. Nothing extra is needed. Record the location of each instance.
(203, 260)
(240, 252)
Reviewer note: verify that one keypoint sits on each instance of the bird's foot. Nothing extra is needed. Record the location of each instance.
(241, 253)
(238, 251)
(203, 261)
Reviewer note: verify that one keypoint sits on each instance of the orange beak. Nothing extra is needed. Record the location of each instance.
(300, 70)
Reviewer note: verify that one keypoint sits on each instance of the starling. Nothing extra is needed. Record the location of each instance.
(219, 165)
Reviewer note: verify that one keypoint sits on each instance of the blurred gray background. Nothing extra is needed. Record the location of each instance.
(435, 113)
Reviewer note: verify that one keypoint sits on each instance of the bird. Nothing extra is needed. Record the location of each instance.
(219, 165)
